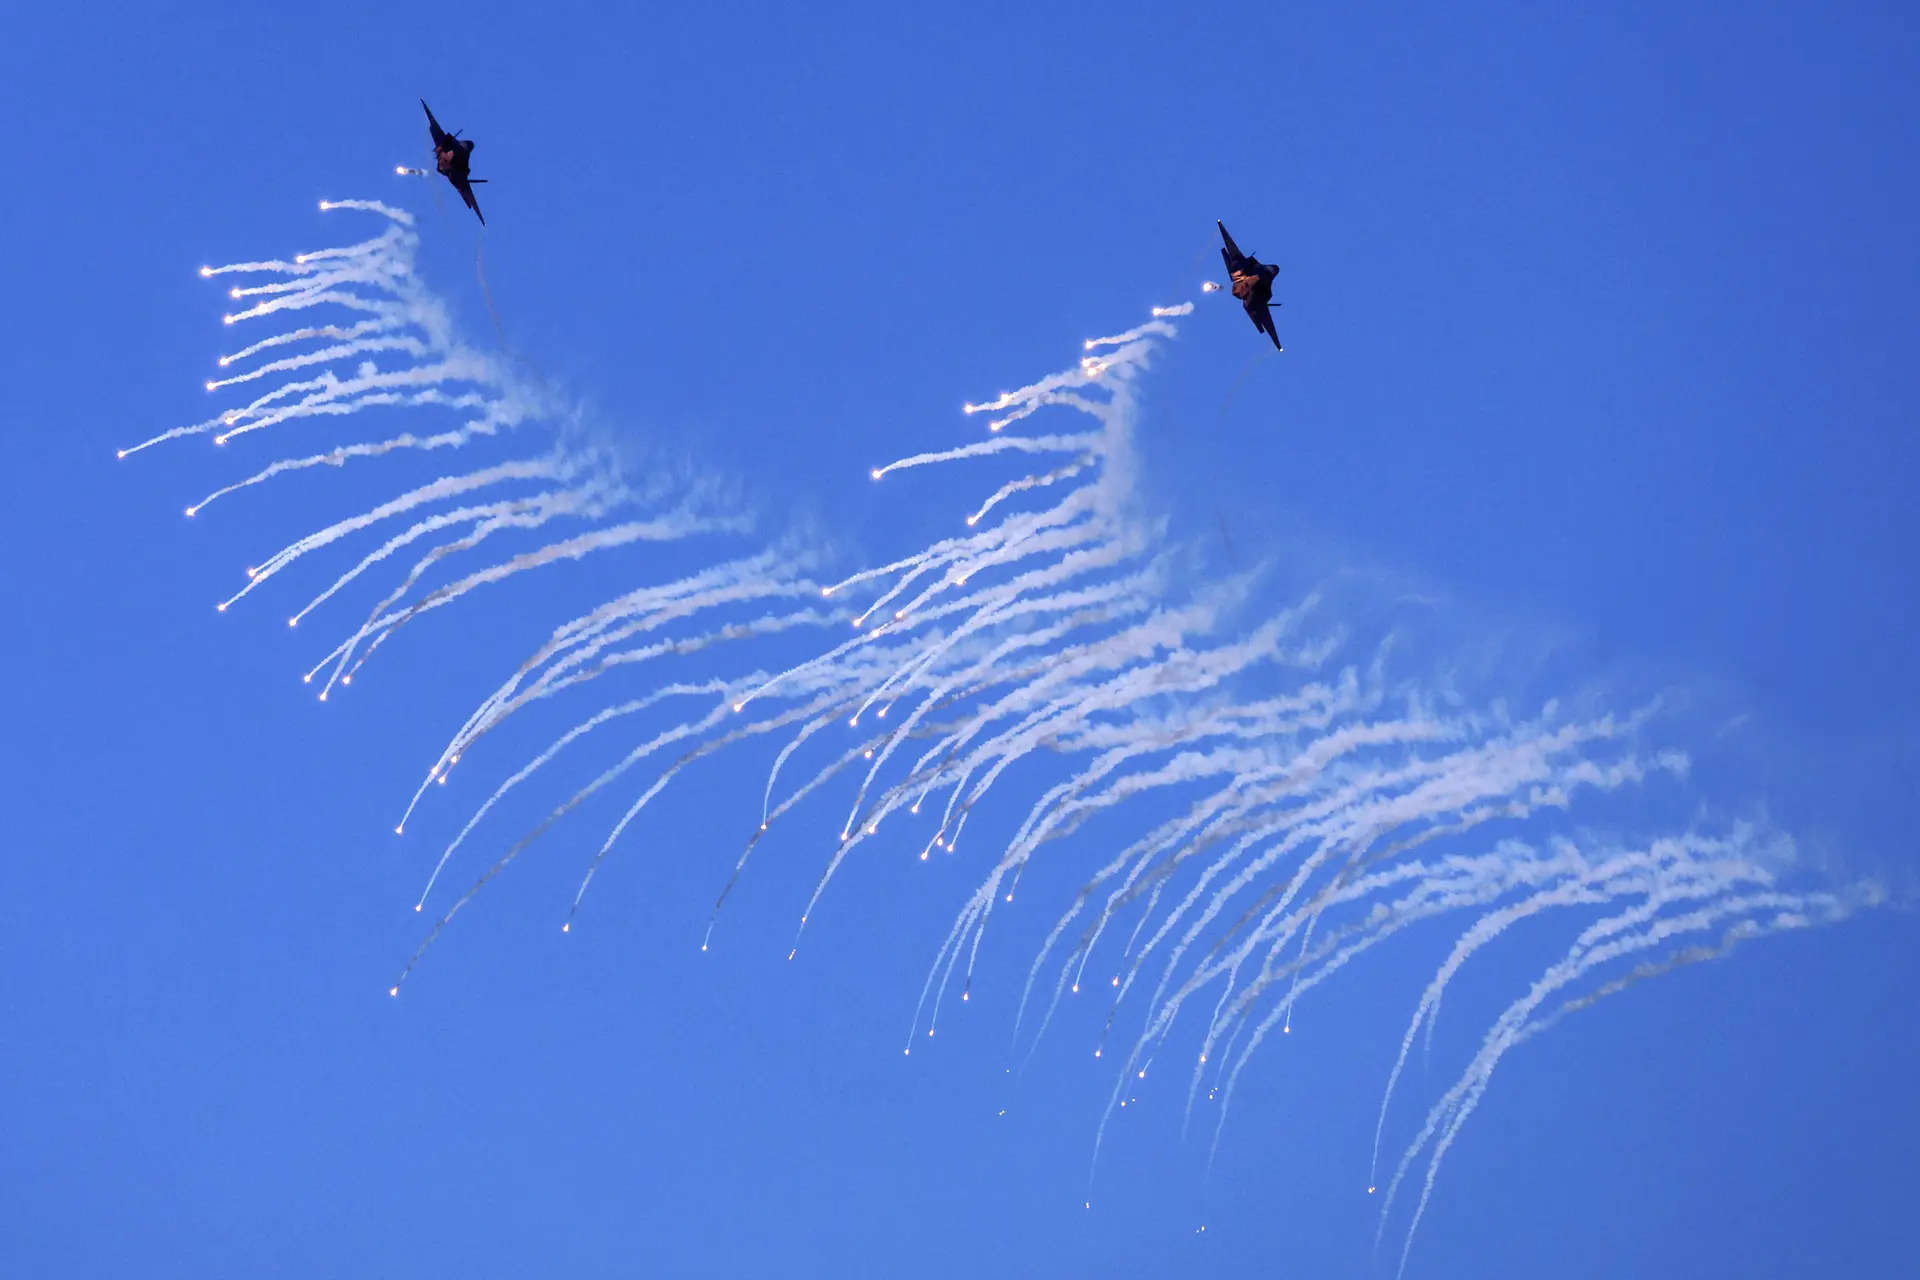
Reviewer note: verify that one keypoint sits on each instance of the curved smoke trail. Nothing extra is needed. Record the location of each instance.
(1291, 802)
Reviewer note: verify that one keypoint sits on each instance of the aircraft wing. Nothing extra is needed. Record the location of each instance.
(1231, 255)
(1262, 317)
(465, 188)
(440, 137)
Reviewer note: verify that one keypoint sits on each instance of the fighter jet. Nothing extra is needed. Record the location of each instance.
(453, 155)
(1252, 284)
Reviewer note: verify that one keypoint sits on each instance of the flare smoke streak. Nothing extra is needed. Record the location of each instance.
(1290, 801)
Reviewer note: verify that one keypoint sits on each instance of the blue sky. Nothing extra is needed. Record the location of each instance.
(1597, 328)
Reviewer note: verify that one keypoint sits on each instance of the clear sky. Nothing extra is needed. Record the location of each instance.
(1599, 323)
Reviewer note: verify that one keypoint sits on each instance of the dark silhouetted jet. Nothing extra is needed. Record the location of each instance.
(1252, 284)
(452, 156)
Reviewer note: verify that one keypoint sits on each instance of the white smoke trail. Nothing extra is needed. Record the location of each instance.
(1282, 800)
(1634, 931)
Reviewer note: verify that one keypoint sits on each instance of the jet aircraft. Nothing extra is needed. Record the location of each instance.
(1252, 284)
(452, 155)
